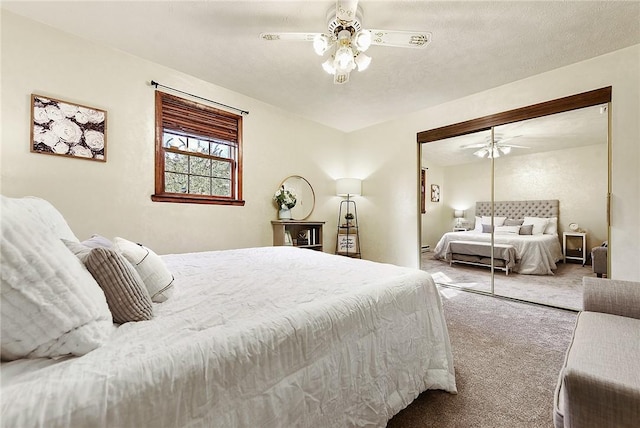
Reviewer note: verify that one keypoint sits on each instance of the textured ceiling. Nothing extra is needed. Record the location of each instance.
(475, 46)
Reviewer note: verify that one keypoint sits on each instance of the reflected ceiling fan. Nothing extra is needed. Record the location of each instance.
(347, 41)
(495, 149)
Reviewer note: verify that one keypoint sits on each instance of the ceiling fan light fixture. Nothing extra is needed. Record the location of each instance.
(362, 40)
(344, 61)
(328, 66)
(321, 44)
(362, 61)
(481, 153)
(505, 150)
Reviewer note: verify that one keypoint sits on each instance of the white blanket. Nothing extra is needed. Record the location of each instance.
(269, 337)
(536, 254)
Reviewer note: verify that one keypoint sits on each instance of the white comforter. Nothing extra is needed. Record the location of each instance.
(536, 254)
(269, 337)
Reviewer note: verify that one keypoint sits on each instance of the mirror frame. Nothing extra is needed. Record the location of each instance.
(313, 196)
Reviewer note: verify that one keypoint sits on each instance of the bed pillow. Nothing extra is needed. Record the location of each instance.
(50, 304)
(539, 224)
(552, 226)
(126, 294)
(513, 222)
(497, 221)
(150, 267)
(507, 230)
(97, 241)
(478, 226)
(486, 228)
(527, 229)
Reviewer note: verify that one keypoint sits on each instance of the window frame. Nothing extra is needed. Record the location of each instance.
(160, 194)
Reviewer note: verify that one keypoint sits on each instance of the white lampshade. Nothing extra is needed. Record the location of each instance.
(348, 187)
(458, 213)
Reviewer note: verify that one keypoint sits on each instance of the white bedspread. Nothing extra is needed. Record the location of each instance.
(536, 254)
(268, 337)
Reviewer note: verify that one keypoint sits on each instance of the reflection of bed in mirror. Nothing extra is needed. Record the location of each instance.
(528, 228)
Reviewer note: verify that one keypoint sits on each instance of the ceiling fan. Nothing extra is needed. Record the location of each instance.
(347, 41)
(494, 149)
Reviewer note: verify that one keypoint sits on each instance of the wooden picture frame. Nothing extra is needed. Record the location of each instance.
(435, 193)
(63, 128)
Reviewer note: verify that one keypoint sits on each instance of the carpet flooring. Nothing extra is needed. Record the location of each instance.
(563, 289)
(507, 357)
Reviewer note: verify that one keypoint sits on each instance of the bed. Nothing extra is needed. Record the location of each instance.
(269, 337)
(535, 254)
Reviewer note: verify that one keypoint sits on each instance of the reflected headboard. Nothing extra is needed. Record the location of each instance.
(520, 209)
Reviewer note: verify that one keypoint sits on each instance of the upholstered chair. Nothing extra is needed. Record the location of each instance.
(599, 259)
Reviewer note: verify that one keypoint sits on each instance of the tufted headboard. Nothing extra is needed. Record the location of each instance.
(520, 209)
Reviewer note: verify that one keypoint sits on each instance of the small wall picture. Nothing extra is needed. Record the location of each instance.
(347, 243)
(435, 193)
(66, 129)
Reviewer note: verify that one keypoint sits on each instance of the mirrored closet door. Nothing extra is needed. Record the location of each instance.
(519, 191)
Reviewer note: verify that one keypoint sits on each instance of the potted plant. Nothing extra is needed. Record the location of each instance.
(285, 199)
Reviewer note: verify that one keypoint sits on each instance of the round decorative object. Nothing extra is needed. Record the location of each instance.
(574, 227)
(305, 196)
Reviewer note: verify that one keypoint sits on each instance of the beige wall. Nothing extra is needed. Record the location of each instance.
(113, 198)
(577, 177)
(391, 175)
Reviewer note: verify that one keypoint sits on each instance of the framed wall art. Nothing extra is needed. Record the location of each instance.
(347, 243)
(435, 193)
(67, 129)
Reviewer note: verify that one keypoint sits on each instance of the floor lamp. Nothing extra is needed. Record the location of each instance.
(348, 238)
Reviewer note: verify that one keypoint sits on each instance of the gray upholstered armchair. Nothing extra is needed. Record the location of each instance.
(599, 259)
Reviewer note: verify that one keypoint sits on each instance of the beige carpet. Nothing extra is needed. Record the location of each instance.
(507, 357)
(564, 289)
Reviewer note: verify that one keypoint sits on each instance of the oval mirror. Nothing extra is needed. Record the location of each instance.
(305, 197)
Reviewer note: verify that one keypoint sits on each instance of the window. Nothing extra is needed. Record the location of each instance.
(198, 153)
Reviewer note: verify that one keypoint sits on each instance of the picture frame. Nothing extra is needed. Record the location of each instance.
(435, 193)
(347, 244)
(63, 128)
(287, 238)
(423, 191)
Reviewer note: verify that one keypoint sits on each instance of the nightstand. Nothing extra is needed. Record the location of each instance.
(575, 252)
(460, 229)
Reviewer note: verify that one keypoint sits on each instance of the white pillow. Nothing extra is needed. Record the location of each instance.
(507, 230)
(539, 224)
(497, 221)
(51, 305)
(552, 226)
(152, 270)
(478, 226)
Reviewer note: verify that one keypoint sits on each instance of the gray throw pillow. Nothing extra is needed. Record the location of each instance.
(526, 230)
(486, 228)
(513, 222)
(126, 294)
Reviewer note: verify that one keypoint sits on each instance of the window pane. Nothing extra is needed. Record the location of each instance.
(174, 162)
(221, 187)
(199, 185)
(200, 166)
(175, 183)
(221, 150)
(221, 169)
(173, 141)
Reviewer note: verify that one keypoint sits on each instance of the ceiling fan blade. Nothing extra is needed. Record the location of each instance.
(400, 39)
(346, 10)
(474, 146)
(298, 37)
(514, 145)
